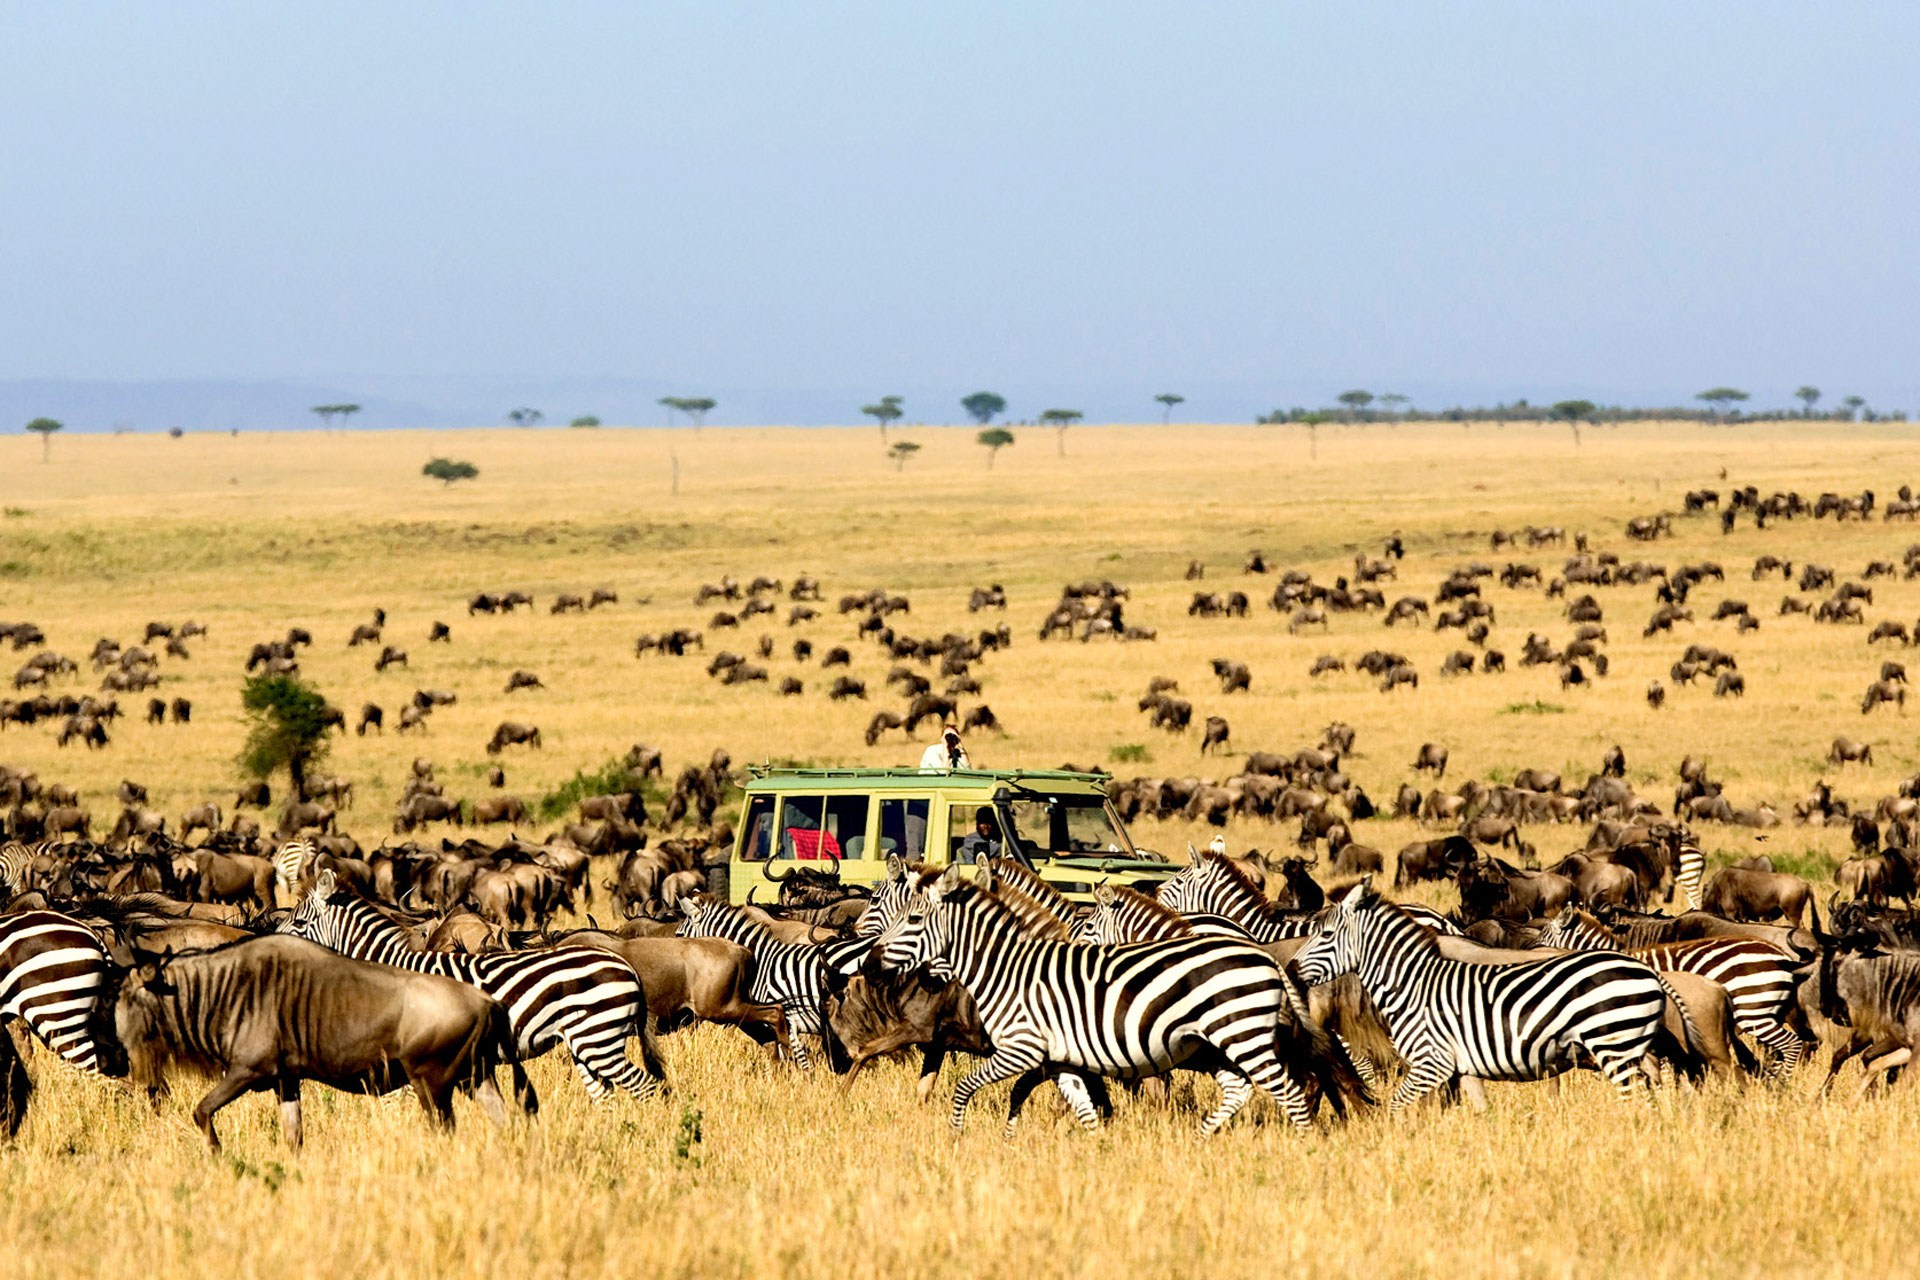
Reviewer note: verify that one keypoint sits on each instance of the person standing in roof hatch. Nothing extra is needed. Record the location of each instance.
(947, 753)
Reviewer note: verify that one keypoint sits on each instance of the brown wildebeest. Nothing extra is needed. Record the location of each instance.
(1878, 878)
(1757, 895)
(1215, 735)
(512, 733)
(269, 1013)
(1849, 751)
(694, 978)
(510, 809)
(1884, 691)
(523, 680)
(371, 717)
(1431, 756)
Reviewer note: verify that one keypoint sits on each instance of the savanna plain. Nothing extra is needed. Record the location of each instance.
(755, 1168)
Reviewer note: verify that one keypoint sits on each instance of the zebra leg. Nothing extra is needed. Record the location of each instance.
(1006, 1062)
(1422, 1078)
(1235, 1089)
(801, 1021)
(1473, 1091)
(1786, 1044)
(1624, 1071)
(1078, 1091)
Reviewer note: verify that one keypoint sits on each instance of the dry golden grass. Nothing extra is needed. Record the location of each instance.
(252, 534)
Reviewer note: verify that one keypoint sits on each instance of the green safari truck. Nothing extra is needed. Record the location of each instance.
(1061, 824)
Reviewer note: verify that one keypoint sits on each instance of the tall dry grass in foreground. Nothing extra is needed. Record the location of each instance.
(256, 533)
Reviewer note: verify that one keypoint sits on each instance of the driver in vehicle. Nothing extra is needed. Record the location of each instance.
(982, 841)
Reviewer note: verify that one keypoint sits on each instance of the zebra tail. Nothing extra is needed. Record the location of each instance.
(650, 1060)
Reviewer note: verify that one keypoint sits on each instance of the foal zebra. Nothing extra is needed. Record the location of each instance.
(1759, 981)
(789, 974)
(289, 861)
(1452, 1018)
(52, 968)
(1130, 1012)
(16, 864)
(590, 1001)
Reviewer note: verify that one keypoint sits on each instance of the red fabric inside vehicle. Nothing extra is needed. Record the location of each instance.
(813, 846)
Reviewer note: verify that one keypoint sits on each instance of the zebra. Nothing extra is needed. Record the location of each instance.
(590, 1001)
(789, 974)
(1759, 980)
(289, 861)
(1130, 1012)
(16, 864)
(52, 969)
(1453, 1018)
(1693, 868)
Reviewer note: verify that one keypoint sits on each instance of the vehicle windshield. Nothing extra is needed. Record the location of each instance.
(1054, 826)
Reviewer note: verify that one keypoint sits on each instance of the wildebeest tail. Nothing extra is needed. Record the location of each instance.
(1315, 1058)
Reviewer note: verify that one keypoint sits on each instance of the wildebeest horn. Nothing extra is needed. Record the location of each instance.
(750, 892)
(768, 873)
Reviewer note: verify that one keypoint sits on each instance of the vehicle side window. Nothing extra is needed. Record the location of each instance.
(759, 829)
(847, 824)
(802, 835)
(903, 829)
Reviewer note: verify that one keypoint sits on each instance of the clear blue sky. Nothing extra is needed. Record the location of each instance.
(1072, 203)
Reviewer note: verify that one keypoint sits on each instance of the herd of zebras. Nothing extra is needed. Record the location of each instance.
(1314, 1007)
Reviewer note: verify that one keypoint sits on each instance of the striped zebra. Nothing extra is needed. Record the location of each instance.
(1454, 1018)
(1129, 1012)
(51, 970)
(789, 974)
(1759, 980)
(589, 1001)
(290, 862)
(16, 864)
(1218, 895)
(1693, 869)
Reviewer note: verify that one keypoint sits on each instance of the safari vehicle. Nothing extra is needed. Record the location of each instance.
(1059, 823)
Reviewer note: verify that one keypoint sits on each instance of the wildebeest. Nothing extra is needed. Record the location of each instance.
(1849, 751)
(1884, 691)
(512, 733)
(270, 1013)
(1738, 894)
(1431, 756)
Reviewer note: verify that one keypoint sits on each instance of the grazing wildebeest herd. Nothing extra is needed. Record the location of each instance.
(269, 947)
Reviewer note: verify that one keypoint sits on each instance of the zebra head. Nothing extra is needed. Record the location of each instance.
(1336, 948)
(889, 901)
(316, 919)
(1559, 933)
(698, 922)
(1103, 925)
(907, 941)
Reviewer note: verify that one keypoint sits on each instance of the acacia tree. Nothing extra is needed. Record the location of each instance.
(525, 417)
(1356, 401)
(981, 406)
(994, 439)
(286, 729)
(886, 409)
(1167, 401)
(1394, 401)
(447, 470)
(1573, 413)
(1853, 405)
(697, 407)
(585, 420)
(1312, 422)
(1809, 396)
(1722, 398)
(670, 404)
(902, 452)
(44, 428)
(1060, 420)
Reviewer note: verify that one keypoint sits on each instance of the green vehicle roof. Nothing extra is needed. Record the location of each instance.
(765, 779)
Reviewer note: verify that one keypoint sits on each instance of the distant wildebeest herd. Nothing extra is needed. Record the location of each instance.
(267, 951)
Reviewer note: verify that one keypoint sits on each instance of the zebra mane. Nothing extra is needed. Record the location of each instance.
(1239, 882)
(1157, 919)
(1011, 871)
(1579, 922)
(1028, 918)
